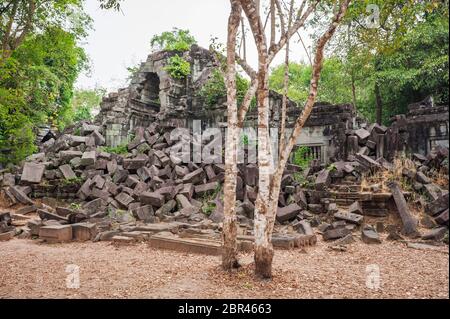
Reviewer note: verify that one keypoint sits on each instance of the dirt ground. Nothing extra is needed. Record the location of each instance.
(29, 269)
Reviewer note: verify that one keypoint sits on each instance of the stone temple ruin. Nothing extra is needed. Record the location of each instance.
(80, 188)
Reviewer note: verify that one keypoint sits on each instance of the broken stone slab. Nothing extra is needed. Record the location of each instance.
(56, 233)
(421, 246)
(134, 164)
(436, 234)
(432, 191)
(144, 174)
(356, 208)
(323, 180)
(438, 206)
(422, 178)
(362, 135)
(28, 209)
(349, 217)
(67, 156)
(186, 245)
(152, 198)
(20, 195)
(367, 161)
(93, 206)
(84, 231)
(32, 173)
(287, 213)
(370, 236)
(64, 211)
(206, 189)
(183, 201)
(442, 219)
(194, 177)
(409, 222)
(124, 199)
(88, 158)
(144, 213)
(7, 235)
(120, 176)
(45, 215)
(337, 233)
(67, 172)
(98, 138)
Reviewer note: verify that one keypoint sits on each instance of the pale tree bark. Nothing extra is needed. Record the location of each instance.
(301, 120)
(264, 217)
(229, 234)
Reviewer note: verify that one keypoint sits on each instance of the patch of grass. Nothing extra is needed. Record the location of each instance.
(72, 181)
(119, 150)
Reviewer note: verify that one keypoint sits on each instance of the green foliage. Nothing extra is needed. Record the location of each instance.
(302, 158)
(175, 40)
(214, 92)
(36, 80)
(119, 150)
(178, 67)
(334, 85)
(82, 105)
(72, 181)
(208, 208)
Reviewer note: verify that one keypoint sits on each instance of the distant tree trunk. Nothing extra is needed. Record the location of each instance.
(379, 104)
(229, 256)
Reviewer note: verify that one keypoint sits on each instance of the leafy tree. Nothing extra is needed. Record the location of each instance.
(175, 40)
(334, 85)
(84, 102)
(178, 67)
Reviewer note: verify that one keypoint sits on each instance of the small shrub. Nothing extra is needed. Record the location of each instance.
(178, 67)
(175, 40)
(119, 150)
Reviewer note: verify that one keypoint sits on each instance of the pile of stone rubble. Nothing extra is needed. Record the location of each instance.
(144, 193)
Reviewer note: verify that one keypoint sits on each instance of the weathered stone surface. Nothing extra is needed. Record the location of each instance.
(124, 199)
(195, 177)
(370, 236)
(134, 164)
(88, 158)
(362, 135)
(323, 180)
(287, 213)
(332, 234)
(349, 217)
(152, 198)
(32, 173)
(120, 176)
(20, 195)
(84, 231)
(409, 222)
(355, 208)
(56, 233)
(442, 219)
(438, 206)
(7, 236)
(436, 234)
(98, 138)
(367, 161)
(144, 213)
(67, 156)
(421, 178)
(206, 189)
(183, 201)
(67, 172)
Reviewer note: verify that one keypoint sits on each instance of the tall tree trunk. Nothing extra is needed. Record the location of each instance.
(379, 104)
(263, 245)
(229, 234)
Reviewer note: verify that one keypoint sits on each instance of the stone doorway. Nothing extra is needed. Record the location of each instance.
(151, 89)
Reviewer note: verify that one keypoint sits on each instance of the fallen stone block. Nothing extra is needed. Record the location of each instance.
(195, 177)
(206, 189)
(32, 173)
(152, 198)
(124, 199)
(186, 245)
(421, 178)
(287, 213)
(323, 180)
(45, 215)
(362, 135)
(67, 172)
(84, 232)
(337, 233)
(20, 195)
(436, 234)
(98, 138)
(134, 164)
(442, 219)
(7, 235)
(56, 233)
(88, 158)
(349, 217)
(355, 208)
(67, 156)
(438, 206)
(27, 209)
(370, 236)
(120, 176)
(144, 213)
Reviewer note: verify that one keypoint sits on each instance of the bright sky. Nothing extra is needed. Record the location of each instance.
(122, 39)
